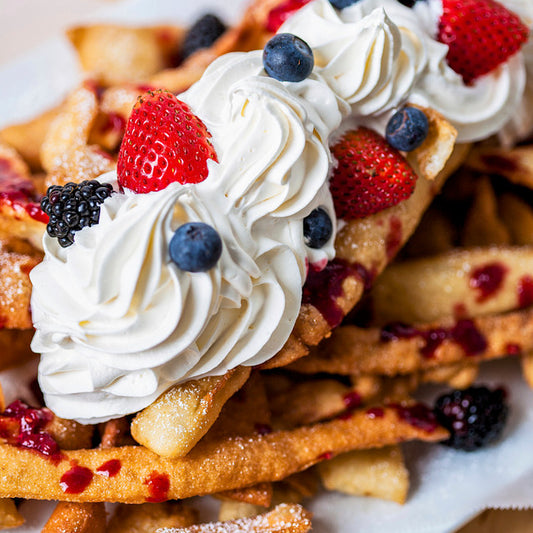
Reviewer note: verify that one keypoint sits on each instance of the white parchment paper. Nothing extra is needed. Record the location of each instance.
(447, 487)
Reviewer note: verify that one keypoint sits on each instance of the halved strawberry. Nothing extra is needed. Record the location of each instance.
(370, 176)
(480, 34)
(279, 14)
(164, 142)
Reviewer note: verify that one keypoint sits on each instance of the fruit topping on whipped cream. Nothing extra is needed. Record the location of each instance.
(222, 201)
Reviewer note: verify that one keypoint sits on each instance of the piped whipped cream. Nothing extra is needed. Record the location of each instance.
(117, 322)
(380, 54)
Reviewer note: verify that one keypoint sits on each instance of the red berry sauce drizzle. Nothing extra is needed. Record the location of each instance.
(322, 288)
(513, 349)
(417, 415)
(110, 468)
(375, 412)
(113, 123)
(464, 333)
(525, 291)
(352, 400)
(76, 480)
(282, 12)
(19, 192)
(24, 426)
(394, 237)
(158, 486)
(488, 280)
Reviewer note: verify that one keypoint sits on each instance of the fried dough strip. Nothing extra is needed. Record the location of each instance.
(483, 225)
(285, 518)
(15, 347)
(428, 289)
(355, 351)
(380, 473)
(77, 517)
(247, 412)
(119, 54)
(516, 165)
(369, 244)
(15, 289)
(150, 516)
(209, 468)
(181, 416)
(20, 215)
(9, 516)
(527, 367)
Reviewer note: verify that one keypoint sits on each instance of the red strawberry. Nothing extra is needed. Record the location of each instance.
(164, 142)
(278, 15)
(481, 34)
(370, 176)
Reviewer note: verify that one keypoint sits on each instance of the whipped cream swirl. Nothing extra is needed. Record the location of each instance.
(380, 54)
(117, 322)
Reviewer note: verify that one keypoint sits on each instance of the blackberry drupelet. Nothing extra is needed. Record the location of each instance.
(202, 34)
(474, 417)
(72, 207)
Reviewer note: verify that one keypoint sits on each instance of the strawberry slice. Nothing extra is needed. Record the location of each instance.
(480, 34)
(164, 142)
(279, 14)
(370, 176)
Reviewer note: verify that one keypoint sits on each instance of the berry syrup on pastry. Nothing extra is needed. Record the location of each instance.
(197, 262)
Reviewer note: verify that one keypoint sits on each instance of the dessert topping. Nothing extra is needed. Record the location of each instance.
(480, 34)
(407, 129)
(158, 487)
(525, 291)
(370, 175)
(76, 480)
(164, 143)
(288, 58)
(73, 207)
(24, 426)
(474, 417)
(488, 280)
(341, 4)
(195, 247)
(110, 468)
(202, 34)
(318, 228)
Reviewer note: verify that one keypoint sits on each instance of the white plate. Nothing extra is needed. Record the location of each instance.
(448, 487)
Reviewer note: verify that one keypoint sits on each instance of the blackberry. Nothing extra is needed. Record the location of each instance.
(202, 34)
(72, 207)
(474, 417)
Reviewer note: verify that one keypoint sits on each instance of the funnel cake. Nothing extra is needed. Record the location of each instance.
(224, 425)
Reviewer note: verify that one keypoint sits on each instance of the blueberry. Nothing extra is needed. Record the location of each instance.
(409, 3)
(288, 58)
(407, 129)
(202, 34)
(341, 4)
(474, 417)
(195, 247)
(318, 228)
